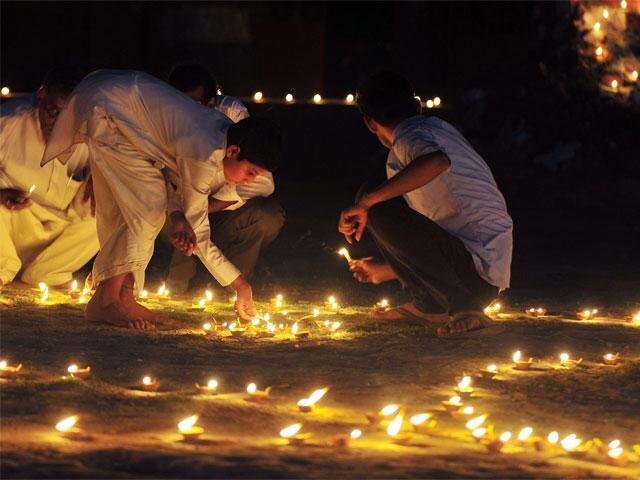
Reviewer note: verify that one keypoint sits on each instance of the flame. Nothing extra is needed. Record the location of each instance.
(394, 427)
(257, 96)
(66, 424)
(288, 97)
(187, 423)
(505, 437)
(389, 410)
(252, 388)
(345, 253)
(479, 432)
(147, 380)
(517, 356)
(465, 382)
(476, 422)
(73, 368)
(317, 98)
(355, 434)
(350, 98)
(525, 433)
(202, 303)
(255, 322)
(3, 364)
(636, 318)
(468, 410)
(571, 442)
(419, 418)
(335, 326)
(318, 394)
(553, 437)
(212, 383)
(609, 356)
(455, 400)
(492, 368)
(32, 188)
(294, 329)
(208, 295)
(614, 444)
(316, 312)
(271, 327)
(266, 317)
(144, 294)
(233, 325)
(45, 291)
(564, 357)
(162, 289)
(615, 452)
(437, 101)
(74, 285)
(304, 402)
(384, 302)
(207, 326)
(596, 26)
(291, 430)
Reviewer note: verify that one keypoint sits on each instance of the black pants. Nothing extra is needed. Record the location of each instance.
(433, 265)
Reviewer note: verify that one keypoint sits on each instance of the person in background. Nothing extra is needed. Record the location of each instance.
(49, 233)
(439, 220)
(245, 218)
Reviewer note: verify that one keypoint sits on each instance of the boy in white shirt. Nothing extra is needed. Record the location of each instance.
(245, 219)
(153, 150)
(47, 235)
(440, 222)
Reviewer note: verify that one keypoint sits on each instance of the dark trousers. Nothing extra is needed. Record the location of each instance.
(433, 265)
(240, 234)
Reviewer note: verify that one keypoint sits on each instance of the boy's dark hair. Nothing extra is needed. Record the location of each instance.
(187, 77)
(260, 141)
(387, 97)
(62, 80)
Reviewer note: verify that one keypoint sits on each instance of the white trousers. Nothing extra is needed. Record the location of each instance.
(46, 246)
(131, 203)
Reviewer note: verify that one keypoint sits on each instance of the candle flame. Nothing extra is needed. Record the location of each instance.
(335, 326)
(212, 383)
(252, 388)
(350, 98)
(564, 357)
(144, 294)
(202, 303)
(553, 437)
(468, 410)
(389, 410)
(233, 325)
(207, 326)
(419, 418)
(73, 368)
(316, 312)
(571, 442)
(257, 96)
(147, 380)
(517, 356)
(505, 437)
(476, 422)
(208, 295)
(615, 452)
(74, 285)
(318, 394)
(465, 382)
(291, 430)
(331, 299)
(187, 423)
(492, 368)
(355, 434)
(317, 98)
(394, 427)
(525, 433)
(455, 400)
(288, 97)
(614, 444)
(66, 424)
(479, 432)
(3, 364)
(31, 190)
(294, 329)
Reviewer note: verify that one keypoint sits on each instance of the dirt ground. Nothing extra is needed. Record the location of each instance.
(366, 364)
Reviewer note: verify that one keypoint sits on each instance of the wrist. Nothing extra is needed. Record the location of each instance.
(240, 283)
(367, 201)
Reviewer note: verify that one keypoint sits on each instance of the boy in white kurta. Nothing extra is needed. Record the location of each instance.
(49, 234)
(147, 141)
(440, 222)
(246, 218)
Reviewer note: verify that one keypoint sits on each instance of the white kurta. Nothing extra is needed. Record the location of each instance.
(56, 235)
(135, 126)
(464, 200)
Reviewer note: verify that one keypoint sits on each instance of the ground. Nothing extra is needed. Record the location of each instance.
(366, 364)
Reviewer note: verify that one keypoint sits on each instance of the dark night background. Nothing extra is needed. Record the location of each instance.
(565, 157)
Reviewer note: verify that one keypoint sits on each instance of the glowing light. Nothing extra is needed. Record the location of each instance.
(634, 76)
(255, 322)
(257, 96)
(599, 51)
(317, 395)
(345, 253)
(564, 357)
(202, 303)
(5, 91)
(144, 294)
(571, 442)
(67, 424)
(355, 434)
(478, 433)
(468, 410)
(614, 84)
(389, 410)
(615, 452)
(476, 422)
(605, 13)
(74, 285)
(517, 356)
(208, 295)
(553, 437)
(45, 291)
(596, 26)
(437, 101)
(187, 423)
(252, 388)
(294, 329)
(331, 299)
(614, 444)
(207, 326)
(350, 98)
(73, 368)
(3, 364)
(623, 4)
(465, 382)
(505, 437)
(394, 427)
(335, 326)
(525, 433)
(288, 97)
(455, 400)
(420, 418)
(316, 312)
(147, 380)
(291, 430)
(492, 368)
(212, 383)
(317, 98)
(429, 103)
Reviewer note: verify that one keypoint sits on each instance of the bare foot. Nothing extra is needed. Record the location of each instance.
(126, 295)
(116, 314)
(464, 322)
(408, 311)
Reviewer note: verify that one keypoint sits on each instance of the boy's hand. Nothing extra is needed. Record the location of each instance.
(367, 270)
(182, 235)
(88, 195)
(14, 199)
(244, 306)
(352, 221)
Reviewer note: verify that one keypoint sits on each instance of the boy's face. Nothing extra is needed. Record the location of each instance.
(240, 171)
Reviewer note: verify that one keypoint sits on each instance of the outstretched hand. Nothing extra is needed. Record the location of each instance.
(244, 306)
(353, 221)
(182, 235)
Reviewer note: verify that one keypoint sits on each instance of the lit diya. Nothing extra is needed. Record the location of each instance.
(381, 306)
(611, 359)
(67, 427)
(74, 292)
(292, 436)
(521, 364)
(77, 372)
(189, 430)
(536, 312)
(9, 371)
(493, 309)
(306, 405)
(453, 404)
(489, 371)
(299, 333)
(384, 412)
(464, 389)
(423, 422)
(256, 395)
(345, 253)
(236, 330)
(149, 384)
(588, 314)
(211, 388)
(394, 431)
(567, 361)
(476, 422)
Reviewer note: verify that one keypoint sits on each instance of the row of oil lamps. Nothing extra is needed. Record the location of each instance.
(392, 417)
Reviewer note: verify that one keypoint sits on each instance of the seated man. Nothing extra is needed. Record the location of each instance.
(154, 150)
(440, 222)
(46, 235)
(245, 218)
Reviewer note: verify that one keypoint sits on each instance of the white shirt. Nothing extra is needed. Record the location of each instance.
(464, 200)
(232, 107)
(179, 135)
(21, 147)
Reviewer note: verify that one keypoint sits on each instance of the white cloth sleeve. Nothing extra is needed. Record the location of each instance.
(413, 144)
(196, 179)
(262, 186)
